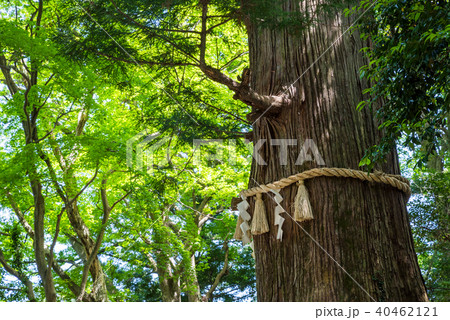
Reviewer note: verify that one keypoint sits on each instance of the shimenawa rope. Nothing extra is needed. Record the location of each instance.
(303, 211)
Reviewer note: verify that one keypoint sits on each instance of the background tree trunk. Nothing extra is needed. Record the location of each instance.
(169, 285)
(363, 226)
(39, 237)
(99, 291)
(192, 286)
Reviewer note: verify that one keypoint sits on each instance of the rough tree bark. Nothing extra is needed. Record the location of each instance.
(362, 226)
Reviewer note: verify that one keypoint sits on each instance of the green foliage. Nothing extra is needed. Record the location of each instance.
(158, 221)
(409, 72)
(128, 66)
(128, 38)
(238, 284)
(430, 222)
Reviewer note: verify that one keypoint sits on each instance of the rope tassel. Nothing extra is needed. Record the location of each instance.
(259, 221)
(303, 211)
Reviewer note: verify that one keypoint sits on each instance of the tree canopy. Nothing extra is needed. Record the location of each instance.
(92, 209)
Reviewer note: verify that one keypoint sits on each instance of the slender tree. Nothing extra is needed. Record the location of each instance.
(49, 146)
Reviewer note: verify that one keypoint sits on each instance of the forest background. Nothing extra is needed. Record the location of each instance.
(92, 210)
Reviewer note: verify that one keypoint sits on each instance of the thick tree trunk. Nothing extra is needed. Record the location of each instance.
(364, 227)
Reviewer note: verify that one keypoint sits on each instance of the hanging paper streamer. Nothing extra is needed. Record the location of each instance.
(242, 207)
(278, 209)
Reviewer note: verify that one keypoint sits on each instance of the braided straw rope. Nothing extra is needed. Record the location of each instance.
(393, 180)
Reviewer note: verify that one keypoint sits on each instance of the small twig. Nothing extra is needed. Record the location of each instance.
(49, 79)
(219, 24)
(84, 188)
(224, 111)
(55, 238)
(8, 288)
(55, 124)
(229, 62)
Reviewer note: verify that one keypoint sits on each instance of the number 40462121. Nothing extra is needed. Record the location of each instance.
(407, 311)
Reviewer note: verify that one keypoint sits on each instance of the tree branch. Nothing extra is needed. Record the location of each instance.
(122, 198)
(204, 31)
(59, 271)
(26, 282)
(224, 111)
(52, 172)
(12, 87)
(203, 220)
(219, 24)
(146, 27)
(55, 124)
(71, 201)
(93, 254)
(153, 33)
(49, 79)
(73, 287)
(146, 62)
(23, 74)
(55, 238)
(29, 230)
(222, 272)
(269, 104)
(232, 59)
(203, 204)
(8, 288)
(151, 261)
